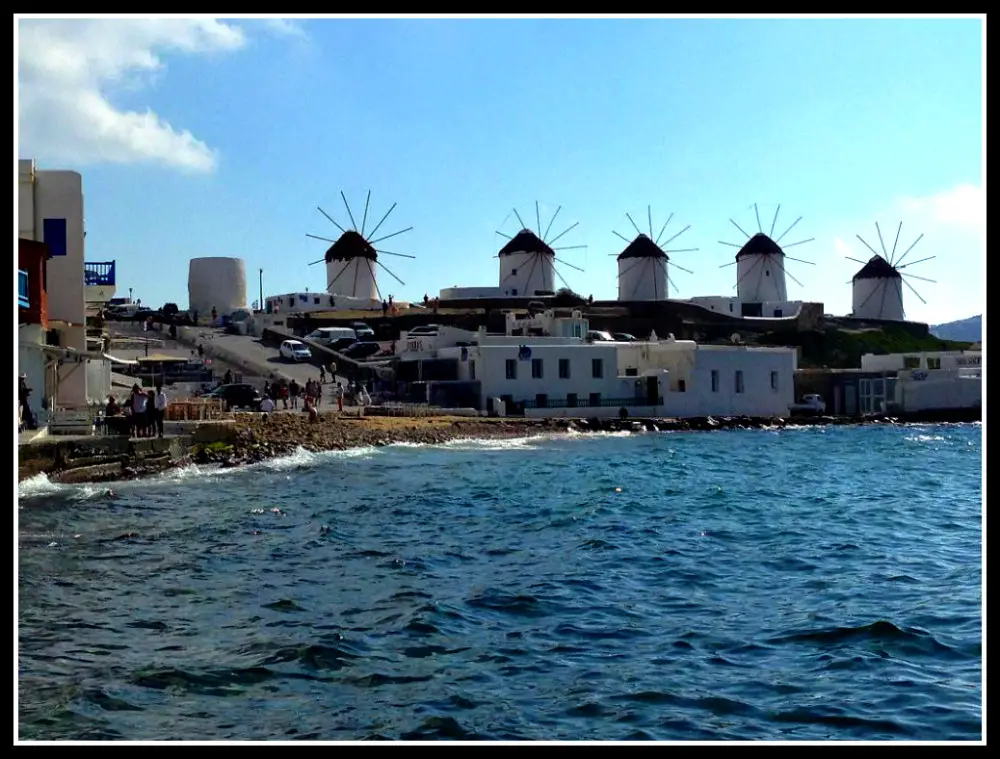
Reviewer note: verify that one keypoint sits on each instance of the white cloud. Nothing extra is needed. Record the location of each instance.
(284, 27)
(963, 206)
(68, 69)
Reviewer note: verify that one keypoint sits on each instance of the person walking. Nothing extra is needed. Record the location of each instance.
(160, 409)
(338, 393)
(333, 371)
(322, 375)
(293, 393)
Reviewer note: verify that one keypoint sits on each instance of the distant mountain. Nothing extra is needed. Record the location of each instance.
(970, 330)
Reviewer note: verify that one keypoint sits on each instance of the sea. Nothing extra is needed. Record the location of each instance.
(815, 584)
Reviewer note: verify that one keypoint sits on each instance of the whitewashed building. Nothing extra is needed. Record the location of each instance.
(552, 370)
(50, 211)
(771, 309)
(926, 381)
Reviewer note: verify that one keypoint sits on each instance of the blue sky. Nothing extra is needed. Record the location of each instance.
(220, 137)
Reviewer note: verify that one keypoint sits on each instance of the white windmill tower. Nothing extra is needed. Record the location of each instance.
(760, 263)
(528, 260)
(352, 258)
(877, 289)
(642, 266)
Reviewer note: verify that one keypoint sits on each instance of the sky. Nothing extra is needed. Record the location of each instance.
(221, 136)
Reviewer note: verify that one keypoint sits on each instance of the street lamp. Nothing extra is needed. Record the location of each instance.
(130, 295)
(261, 301)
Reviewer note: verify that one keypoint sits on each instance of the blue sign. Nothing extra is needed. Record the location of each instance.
(22, 289)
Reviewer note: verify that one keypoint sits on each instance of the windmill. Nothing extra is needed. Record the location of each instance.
(642, 266)
(760, 267)
(878, 286)
(352, 257)
(528, 260)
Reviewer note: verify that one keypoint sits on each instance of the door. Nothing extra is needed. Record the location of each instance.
(653, 391)
(850, 400)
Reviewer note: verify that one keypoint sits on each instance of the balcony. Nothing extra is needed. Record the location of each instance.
(22, 289)
(99, 274)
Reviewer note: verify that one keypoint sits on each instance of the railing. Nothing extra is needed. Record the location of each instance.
(22, 289)
(585, 403)
(100, 273)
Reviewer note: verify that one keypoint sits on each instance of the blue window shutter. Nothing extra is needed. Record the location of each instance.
(54, 235)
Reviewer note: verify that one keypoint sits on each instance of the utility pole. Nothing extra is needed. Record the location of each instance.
(261, 302)
(130, 295)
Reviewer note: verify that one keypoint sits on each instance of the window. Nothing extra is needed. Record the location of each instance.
(597, 368)
(681, 386)
(739, 381)
(715, 380)
(933, 362)
(472, 370)
(541, 400)
(564, 368)
(571, 400)
(911, 362)
(767, 272)
(511, 368)
(595, 400)
(291, 302)
(514, 291)
(774, 380)
(513, 272)
(536, 368)
(54, 235)
(316, 301)
(730, 306)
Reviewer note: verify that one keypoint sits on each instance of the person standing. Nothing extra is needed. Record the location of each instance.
(322, 374)
(138, 400)
(293, 392)
(333, 371)
(160, 410)
(24, 402)
(338, 393)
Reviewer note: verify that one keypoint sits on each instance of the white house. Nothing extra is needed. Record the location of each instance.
(772, 309)
(50, 210)
(551, 369)
(931, 380)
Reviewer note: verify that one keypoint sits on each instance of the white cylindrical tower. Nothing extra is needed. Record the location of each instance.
(760, 273)
(350, 267)
(526, 265)
(219, 283)
(877, 292)
(642, 271)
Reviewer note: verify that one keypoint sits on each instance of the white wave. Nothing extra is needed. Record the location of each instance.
(491, 444)
(302, 457)
(38, 485)
(924, 438)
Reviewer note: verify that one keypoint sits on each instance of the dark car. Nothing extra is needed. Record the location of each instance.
(362, 330)
(342, 342)
(237, 396)
(623, 337)
(360, 351)
(169, 309)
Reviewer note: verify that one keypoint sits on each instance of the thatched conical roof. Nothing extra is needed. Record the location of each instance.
(642, 247)
(526, 241)
(760, 245)
(350, 245)
(877, 268)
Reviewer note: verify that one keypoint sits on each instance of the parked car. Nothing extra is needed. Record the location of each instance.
(341, 343)
(600, 336)
(363, 331)
(811, 404)
(237, 396)
(623, 337)
(294, 350)
(361, 350)
(423, 329)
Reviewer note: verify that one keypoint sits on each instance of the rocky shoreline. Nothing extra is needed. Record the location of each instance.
(253, 438)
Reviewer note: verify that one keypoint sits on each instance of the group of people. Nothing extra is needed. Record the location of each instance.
(142, 412)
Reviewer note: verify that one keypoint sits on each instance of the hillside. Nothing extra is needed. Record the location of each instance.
(842, 349)
(970, 329)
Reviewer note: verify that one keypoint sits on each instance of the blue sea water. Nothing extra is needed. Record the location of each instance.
(808, 584)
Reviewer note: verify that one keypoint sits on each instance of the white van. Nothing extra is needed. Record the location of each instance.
(330, 335)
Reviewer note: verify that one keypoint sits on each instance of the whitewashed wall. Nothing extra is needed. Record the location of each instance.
(760, 278)
(461, 293)
(877, 298)
(217, 282)
(521, 274)
(354, 278)
(939, 390)
(642, 279)
(892, 362)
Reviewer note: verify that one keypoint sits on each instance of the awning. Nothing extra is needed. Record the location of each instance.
(122, 361)
(161, 358)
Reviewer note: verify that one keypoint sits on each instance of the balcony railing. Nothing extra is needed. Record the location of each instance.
(22, 289)
(99, 273)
